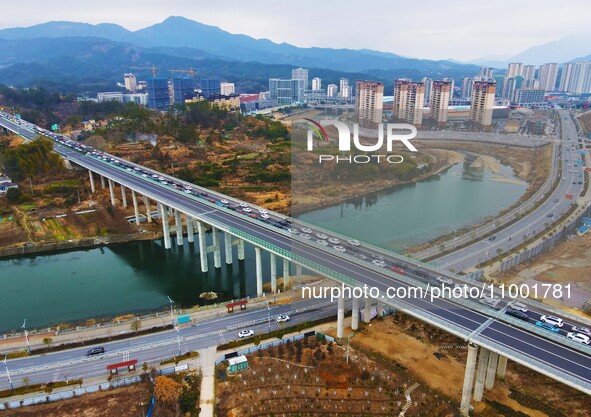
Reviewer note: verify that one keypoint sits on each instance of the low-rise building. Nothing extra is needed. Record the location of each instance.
(6, 184)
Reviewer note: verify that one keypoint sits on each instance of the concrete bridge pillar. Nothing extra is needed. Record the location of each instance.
(481, 374)
(468, 379)
(491, 370)
(367, 310)
(380, 308)
(165, 229)
(259, 269)
(202, 245)
(148, 210)
(228, 247)
(190, 229)
(91, 181)
(298, 271)
(355, 314)
(273, 260)
(179, 227)
(285, 274)
(240, 250)
(136, 209)
(123, 197)
(103, 182)
(112, 192)
(341, 317)
(502, 367)
(217, 253)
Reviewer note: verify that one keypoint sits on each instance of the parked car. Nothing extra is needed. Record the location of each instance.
(96, 351)
(547, 326)
(553, 320)
(579, 337)
(517, 314)
(245, 333)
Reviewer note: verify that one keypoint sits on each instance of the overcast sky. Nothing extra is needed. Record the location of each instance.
(436, 29)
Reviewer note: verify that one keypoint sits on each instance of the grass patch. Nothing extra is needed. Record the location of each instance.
(48, 388)
(183, 357)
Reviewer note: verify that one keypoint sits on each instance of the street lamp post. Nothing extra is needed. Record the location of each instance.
(171, 313)
(26, 335)
(178, 339)
(8, 373)
(269, 317)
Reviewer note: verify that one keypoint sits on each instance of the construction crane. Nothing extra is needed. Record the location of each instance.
(191, 71)
(152, 68)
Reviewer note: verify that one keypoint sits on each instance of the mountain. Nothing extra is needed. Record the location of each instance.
(179, 32)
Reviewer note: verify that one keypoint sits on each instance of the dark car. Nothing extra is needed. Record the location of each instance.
(96, 351)
(517, 314)
(492, 238)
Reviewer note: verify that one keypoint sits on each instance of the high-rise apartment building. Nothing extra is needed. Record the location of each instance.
(483, 101)
(301, 74)
(210, 86)
(409, 100)
(547, 76)
(158, 94)
(130, 82)
(452, 82)
(183, 89)
(316, 84)
(440, 96)
(467, 87)
(528, 97)
(514, 69)
(332, 90)
(576, 78)
(369, 102)
(344, 90)
(486, 73)
(227, 89)
(428, 86)
(529, 72)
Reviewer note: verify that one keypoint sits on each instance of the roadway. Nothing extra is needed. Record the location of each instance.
(464, 320)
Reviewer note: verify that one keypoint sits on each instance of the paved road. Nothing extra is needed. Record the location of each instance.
(531, 344)
(571, 182)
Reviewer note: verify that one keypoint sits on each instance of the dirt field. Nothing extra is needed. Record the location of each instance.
(130, 401)
(437, 359)
(568, 262)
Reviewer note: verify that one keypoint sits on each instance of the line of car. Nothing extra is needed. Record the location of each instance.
(282, 318)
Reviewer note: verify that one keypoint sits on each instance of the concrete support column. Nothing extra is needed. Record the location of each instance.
(355, 314)
(341, 317)
(190, 229)
(380, 308)
(136, 209)
(228, 247)
(179, 227)
(240, 250)
(298, 270)
(367, 310)
(202, 246)
(502, 367)
(481, 374)
(468, 379)
(259, 268)
(217, 253)
(91, 181)
(112, 192)
(285, 274)
(123, 197)
(273, 259)
(103, 182)
(491, 370)
(165, 229)
(148, 210)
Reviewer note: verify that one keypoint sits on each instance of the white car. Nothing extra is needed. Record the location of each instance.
(305, 236)
(322, 242)
(579, 329)
(263, 211)
(339, 249)
(245, 333)
(282, 318)
(519, 306)
(379, 263)
(293, 231)
(246, 210)
(553, 320)
(306, 230)
(321, 236)
(579, 337)
(264, 216)
(354, 242)
(443, 280)
(334, 241)
(224, 201)
(361, 256)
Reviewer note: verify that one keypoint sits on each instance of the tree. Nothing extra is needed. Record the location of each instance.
(26, 381)
(47, 341)
(167, 390)
(136, 325)
(13, 195)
